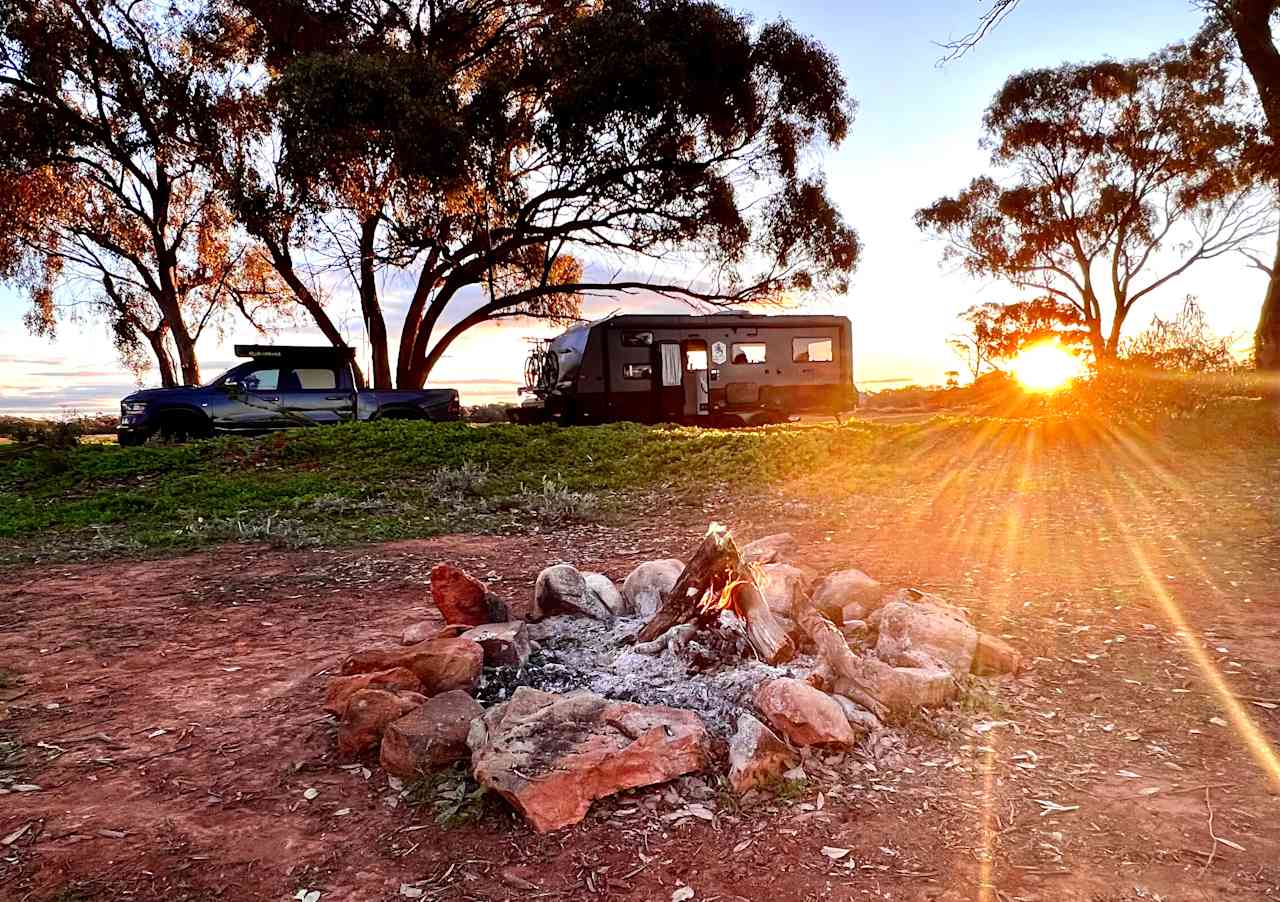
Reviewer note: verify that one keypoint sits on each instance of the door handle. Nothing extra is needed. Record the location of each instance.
(335, 397)
(271, 397)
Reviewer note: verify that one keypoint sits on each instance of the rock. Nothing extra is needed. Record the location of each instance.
(994, 655)
(460, 597)
(756, 755)
(852, 591)
(430, 736)
(905, 690)
(440, 664)
(918, 630)
(367, 715)
(862, 720)
(431, 629)
(551, 755)
(769, 550)
(783, 586)
(803, 714)
(504, 644)
(603, 589)
(560, 589)
(648, 584)
(341, 689)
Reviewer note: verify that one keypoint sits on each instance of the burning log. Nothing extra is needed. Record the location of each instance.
(716, 579)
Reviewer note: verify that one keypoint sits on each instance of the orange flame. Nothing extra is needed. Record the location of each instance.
(713, 602)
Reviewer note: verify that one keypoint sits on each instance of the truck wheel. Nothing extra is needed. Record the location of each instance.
(182, 427)
(132, 439)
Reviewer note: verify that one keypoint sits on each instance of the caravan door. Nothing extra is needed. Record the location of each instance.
(668, 382)
(697, 402)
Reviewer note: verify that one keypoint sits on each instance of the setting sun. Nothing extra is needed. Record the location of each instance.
(1046, 367)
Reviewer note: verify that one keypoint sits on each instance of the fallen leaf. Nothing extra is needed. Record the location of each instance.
(1217, 721)
(310, 793)
(742, 846)
(833, 853)
(16, 834)
(25, 787)
(342, 812)
(411, 892)
(683, 894)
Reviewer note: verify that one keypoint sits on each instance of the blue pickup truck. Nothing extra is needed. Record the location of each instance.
(278, 388)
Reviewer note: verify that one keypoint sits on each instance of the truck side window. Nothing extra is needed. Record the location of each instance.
(637, 371)
(637, 339)
(811, 350)
(748, 353)
(316, 379)
(262, 380)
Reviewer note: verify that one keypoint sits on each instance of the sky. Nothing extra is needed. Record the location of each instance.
(915, 139)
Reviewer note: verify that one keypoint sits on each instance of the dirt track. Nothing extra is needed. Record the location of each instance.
(169, 711)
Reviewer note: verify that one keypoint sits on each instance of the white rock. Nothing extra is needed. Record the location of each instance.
(646, 585)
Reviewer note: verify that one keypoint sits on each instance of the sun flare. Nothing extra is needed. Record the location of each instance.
(1046, 367)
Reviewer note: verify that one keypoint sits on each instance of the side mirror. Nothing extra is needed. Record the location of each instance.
(232, 388)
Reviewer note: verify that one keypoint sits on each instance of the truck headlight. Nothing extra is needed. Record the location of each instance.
(128, 408)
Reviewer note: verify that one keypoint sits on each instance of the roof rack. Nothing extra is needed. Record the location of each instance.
(273, 351)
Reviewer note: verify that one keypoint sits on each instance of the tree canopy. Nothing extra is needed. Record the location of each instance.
(104, 208)
(995, 332)
(1111, 179)
(509, 157)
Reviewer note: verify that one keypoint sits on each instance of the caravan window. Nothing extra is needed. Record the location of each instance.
(637, 371)
(811, 350)
(637, 339)
(748, 352)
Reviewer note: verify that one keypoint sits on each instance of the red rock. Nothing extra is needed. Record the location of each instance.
(459, 595)
(552, 755)
(924, 631)
(769, 550)
(430, 736)
(425, 630)
(440, 664)
(342, 688)
(994, 655)
(803, 714)
(756, 755)
(368, 714)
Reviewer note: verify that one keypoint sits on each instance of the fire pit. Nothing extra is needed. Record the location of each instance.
(603, 690)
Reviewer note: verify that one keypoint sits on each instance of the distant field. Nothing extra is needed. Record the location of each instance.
(364, 482)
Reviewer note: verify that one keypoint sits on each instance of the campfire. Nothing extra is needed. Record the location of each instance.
(717, 582)
(596, 690)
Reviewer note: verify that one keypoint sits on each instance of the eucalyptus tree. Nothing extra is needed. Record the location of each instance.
(505, 158)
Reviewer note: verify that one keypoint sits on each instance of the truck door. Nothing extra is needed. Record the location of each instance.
(314, 392)
(697, 390)
(668, 381)
(256, 404)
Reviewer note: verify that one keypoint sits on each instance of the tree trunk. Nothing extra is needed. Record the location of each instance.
(164, 363)
(1266, 340)
(1250, 22)
(374, 324)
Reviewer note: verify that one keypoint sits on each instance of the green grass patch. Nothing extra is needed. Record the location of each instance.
(404, 479)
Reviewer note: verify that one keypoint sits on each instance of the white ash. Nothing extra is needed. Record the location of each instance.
(581, 653)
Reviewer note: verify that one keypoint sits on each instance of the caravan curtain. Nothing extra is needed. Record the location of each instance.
(670, 364)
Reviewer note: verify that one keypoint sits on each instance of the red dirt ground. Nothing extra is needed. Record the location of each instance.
(169, 712)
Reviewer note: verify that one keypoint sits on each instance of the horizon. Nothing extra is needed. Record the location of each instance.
(915, 138)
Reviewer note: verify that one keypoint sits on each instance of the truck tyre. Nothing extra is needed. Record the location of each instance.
(132, 439)
(180, 426)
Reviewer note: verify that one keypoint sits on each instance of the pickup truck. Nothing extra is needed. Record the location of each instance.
(278, 388)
